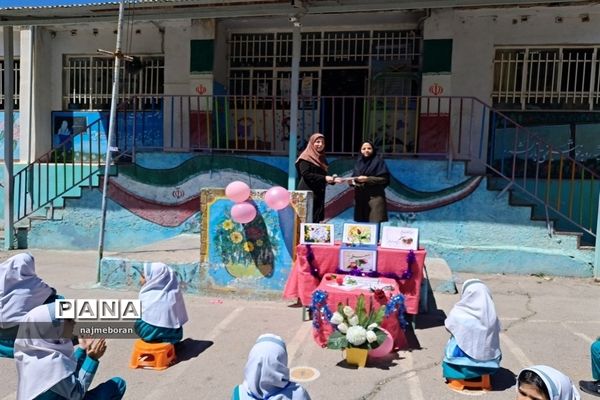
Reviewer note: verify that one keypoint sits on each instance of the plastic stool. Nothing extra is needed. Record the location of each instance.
(483, 383)
(152, 355)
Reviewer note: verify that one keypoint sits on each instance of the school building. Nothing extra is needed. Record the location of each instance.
(486, 113)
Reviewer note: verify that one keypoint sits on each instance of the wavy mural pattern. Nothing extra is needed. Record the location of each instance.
(169, 197)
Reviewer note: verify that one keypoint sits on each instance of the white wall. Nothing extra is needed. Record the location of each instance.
(476, 32)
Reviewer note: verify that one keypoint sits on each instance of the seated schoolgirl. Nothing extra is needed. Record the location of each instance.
(266, 375)
(47, 366)
(474, 347)
(163, 309)
(21, 290)
(541, 382)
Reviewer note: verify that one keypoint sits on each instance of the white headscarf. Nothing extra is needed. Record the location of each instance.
(21, 289)
(474, 324)
(162, 301)
(42, 355)
(266, 375)
(558, 384)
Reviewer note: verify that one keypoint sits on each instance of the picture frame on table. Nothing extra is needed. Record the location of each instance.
(361, 234)
(363, 259)
(397, 237)
(320, 234)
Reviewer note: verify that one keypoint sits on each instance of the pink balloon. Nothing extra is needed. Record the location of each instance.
(237, 191)
(384, 348)
(277, 198)
(243, 212)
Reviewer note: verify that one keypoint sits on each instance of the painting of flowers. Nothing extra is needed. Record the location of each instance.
(356, 259)
(317, 234)
(360, 234)
(246, 250)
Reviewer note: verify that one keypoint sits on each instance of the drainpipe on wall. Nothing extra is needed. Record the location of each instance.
(293, 141)
(9, 235)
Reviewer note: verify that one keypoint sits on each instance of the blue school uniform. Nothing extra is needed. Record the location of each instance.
(458, 365)
(156, 334)
(76, 386)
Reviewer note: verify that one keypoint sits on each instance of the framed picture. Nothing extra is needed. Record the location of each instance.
(317, 234)
(360, 234)
(396, 237)
(356, 258)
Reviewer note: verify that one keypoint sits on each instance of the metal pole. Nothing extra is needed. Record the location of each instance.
(597, 247)
(111, 134)
(293, 142)
(9, 235)
(29, 178)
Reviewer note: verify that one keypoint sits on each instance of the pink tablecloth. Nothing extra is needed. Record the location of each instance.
(336, 295)
(301, 283)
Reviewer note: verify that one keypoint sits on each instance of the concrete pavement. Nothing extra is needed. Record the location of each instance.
(545, 320)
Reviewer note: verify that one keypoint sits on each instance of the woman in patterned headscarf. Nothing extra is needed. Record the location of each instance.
(312, 169)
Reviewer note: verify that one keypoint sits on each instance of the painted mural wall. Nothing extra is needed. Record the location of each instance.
(147, 126)
(458, 217)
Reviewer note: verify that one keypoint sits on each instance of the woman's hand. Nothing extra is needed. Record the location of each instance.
(361, 179)
(330, 179)
(97, 349)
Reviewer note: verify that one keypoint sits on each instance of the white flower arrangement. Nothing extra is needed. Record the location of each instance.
(356, 327)
(337, 318)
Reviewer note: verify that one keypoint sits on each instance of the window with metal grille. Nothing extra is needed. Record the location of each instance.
(87, 80)
(547, 78)
(16, 81)
(260, 63)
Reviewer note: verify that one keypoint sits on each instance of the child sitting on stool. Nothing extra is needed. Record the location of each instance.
(163, 309)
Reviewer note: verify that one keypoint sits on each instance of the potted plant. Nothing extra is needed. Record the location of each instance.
(357, 331)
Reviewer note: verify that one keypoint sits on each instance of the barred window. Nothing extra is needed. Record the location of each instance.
(16, 81)
(87, 80)
(260, 63)
(547, 78)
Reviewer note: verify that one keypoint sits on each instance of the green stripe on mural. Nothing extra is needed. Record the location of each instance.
(345, 166)
(200, 164)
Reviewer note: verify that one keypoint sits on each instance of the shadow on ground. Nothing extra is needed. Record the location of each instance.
(503, 379)
(191, 348)
(429, 315)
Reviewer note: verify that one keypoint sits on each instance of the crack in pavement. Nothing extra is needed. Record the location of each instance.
(409, 373)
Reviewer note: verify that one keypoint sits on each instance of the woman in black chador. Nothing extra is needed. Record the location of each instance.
(371, 176)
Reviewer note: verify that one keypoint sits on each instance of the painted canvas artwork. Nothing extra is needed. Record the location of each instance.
(317, 234)
(354, 258)
(260, 251)
(396, 237)
(360, 234)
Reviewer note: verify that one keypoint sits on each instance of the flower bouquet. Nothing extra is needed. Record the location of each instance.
(356, 329)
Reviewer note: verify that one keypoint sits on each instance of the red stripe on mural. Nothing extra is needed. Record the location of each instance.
(345, 200)
(161, 214)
